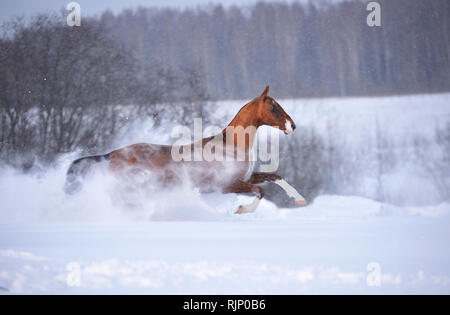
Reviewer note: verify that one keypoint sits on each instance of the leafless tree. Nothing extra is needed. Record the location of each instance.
(65, 88)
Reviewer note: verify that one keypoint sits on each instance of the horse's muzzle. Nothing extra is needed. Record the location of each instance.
(289, 127)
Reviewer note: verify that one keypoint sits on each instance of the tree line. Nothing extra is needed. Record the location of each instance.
(301, 50)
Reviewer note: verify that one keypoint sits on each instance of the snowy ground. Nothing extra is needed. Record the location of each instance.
(312, 250)
(185, 243)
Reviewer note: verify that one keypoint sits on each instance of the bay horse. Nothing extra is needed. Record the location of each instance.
(230, 176)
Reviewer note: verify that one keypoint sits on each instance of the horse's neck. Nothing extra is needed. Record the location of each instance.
(245, 120)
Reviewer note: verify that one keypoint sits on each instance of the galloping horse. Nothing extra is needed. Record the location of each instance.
(235, 176)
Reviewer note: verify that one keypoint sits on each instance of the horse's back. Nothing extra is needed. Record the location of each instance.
(141, 154)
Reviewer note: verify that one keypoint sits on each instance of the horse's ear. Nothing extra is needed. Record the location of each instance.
(266, 92)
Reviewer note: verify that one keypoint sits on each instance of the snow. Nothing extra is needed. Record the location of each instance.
(117, 238)
(297, 253)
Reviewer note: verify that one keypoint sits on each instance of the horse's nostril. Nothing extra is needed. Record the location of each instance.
(293, 126)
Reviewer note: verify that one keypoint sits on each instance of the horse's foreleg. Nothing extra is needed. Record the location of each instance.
(258, 178)
(245, 187)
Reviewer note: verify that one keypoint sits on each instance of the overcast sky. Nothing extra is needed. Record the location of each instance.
(9, 8)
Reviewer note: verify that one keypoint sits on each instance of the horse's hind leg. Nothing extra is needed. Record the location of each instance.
(79, 169)
(244, 187)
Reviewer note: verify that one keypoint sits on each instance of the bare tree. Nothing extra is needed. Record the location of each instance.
(65, 88)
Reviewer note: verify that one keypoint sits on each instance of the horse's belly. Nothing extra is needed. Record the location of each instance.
(207, 176)
(210, 176)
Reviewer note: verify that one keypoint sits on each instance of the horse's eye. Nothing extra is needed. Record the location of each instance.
(274, 108)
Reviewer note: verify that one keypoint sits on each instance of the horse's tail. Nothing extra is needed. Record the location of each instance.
(78, 169)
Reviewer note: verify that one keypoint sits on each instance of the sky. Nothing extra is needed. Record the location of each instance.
(10, 8)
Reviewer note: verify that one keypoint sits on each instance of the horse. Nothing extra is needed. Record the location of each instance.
(208, 174)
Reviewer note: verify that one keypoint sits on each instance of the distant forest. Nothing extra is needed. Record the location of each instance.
(301, 50)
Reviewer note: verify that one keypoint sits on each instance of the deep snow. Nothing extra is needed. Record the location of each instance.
(179, 241)
(272, 252)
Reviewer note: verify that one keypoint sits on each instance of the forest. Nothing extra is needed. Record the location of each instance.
(302, 50)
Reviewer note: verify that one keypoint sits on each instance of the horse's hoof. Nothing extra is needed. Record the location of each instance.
(240, 210)
(301, 203)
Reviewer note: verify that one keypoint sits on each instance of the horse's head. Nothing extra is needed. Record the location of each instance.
(272, 114)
